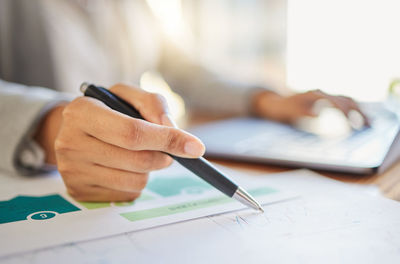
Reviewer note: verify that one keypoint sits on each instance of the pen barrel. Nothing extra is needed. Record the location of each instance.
(112, 101)
(205, 170)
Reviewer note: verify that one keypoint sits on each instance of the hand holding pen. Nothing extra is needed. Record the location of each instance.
(104, 155)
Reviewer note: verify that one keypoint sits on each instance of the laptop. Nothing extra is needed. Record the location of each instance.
(366, 151)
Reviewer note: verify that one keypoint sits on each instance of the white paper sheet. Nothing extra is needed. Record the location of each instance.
(332, 222)
(36, 212)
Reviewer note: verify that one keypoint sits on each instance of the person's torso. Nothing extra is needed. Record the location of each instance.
(98, 41)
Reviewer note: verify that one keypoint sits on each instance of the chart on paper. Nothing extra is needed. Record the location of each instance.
(40, 205)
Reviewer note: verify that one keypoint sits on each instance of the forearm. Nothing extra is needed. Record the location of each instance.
(203, 90)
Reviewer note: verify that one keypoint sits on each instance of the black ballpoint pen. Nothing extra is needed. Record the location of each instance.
(200, 166)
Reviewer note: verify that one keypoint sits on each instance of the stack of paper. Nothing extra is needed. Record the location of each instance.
(326, 222)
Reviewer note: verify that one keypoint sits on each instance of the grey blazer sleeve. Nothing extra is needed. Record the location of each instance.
(21, 108)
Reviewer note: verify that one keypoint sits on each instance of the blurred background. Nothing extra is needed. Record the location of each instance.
(242, 39)
(348, 47)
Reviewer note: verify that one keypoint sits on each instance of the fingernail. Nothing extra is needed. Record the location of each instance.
(194, 148)
(167, 120)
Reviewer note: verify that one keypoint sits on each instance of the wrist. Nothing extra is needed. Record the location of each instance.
(47, 132)
(266, 103)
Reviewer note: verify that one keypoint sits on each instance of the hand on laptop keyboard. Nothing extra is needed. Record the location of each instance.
(289, 109)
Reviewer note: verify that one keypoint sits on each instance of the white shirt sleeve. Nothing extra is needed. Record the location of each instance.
(21, 109)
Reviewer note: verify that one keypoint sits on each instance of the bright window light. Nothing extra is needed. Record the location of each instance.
(349, 47)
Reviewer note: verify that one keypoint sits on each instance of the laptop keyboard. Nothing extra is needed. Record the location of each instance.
(283, 141)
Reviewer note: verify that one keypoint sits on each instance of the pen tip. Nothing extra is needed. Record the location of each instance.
(261, 210)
